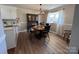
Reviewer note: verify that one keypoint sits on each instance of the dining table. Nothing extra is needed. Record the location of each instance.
(38, 30)
(38, 27)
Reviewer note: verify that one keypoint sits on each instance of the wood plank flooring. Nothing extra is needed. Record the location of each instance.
(27, 44)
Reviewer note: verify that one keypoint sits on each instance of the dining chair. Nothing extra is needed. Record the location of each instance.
(46, 31)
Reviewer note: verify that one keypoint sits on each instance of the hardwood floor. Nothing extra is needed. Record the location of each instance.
(26, 45)
(11, 51)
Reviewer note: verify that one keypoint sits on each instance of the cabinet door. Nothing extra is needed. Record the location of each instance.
(8, 13)
(10, 39)
(12, 13)
(5, 13)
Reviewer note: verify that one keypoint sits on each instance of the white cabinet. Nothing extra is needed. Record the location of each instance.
(10, 37)
(8, 12)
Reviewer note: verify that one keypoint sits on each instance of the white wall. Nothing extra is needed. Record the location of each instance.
(75, 29)
(68, 16)
(69, 13)
(21, 14)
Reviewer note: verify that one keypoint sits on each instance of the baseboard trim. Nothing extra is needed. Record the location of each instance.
(57, 35)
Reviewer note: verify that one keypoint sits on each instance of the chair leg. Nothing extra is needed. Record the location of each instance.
(48, 36)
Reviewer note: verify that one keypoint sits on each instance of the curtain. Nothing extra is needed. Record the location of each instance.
(58, 19)
(60, 22)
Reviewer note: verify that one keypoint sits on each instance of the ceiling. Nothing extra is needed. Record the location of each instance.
(37, 6)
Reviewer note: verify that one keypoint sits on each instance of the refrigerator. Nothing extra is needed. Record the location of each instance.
(3, 46)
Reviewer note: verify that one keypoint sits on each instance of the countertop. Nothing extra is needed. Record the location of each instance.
(11, 27)
(8, 28)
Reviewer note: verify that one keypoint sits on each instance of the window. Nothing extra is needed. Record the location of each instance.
(52, 17)
(56, 17)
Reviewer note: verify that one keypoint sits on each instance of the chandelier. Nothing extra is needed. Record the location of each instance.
(41, 11)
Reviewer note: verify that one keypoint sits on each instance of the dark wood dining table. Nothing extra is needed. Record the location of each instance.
(38, 27)
(38, 30)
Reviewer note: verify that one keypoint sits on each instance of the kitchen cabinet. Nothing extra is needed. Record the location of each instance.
(8, 12)
(10, 37)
